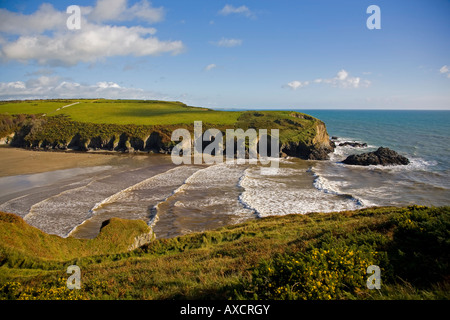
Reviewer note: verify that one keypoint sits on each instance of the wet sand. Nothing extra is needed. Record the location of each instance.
(16, 161)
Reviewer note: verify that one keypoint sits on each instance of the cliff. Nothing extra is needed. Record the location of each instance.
(301, 135)
(316, 149)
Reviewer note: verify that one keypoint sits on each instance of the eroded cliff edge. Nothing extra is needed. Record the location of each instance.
(301, 135)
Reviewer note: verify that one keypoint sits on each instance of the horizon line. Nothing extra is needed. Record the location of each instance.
(240, 108)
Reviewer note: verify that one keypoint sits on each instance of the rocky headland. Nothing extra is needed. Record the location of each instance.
(301, 135)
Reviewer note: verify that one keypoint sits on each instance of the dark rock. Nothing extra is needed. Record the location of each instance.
(307, 152)
(334, 138)
(332, 144)
(78, 143)
(382, 156)
(353, 144)
(154, 142)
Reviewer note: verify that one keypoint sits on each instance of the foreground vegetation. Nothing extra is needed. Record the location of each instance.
(312, 256)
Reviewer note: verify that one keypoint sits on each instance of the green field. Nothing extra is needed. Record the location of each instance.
(32, 106)
(138, 112)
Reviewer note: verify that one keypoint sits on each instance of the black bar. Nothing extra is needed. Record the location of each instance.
(199, 309)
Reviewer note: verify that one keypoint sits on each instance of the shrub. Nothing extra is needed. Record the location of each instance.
(45, 291)
(331, 271)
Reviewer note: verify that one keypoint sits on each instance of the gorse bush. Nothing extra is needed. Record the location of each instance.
(45, 291)
(11, 123)
(52, 290)
(318, 273)
(334, 267)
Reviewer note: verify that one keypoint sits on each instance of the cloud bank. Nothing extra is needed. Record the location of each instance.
(44, 37)
(47, 87)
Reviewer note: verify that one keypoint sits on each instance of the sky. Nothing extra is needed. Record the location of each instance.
(246, 54)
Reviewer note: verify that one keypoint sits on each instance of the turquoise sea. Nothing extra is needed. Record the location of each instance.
(422, 136)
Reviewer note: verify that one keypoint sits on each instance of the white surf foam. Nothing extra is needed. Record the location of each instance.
(278, 195)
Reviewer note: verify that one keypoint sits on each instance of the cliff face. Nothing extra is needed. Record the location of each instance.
(316, 149)
(301, 135)
(322, 144)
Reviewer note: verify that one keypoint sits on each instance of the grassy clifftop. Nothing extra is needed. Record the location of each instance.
(144, 126)
(312, 256)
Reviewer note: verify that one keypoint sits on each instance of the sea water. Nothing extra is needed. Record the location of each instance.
(421, 136)
(176, 200)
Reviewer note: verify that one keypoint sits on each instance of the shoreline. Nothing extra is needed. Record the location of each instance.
(18, 161)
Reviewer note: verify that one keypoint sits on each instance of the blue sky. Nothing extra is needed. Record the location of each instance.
(302, 54)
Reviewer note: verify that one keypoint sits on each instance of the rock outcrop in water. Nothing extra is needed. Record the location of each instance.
(382, 156)
(353, 144)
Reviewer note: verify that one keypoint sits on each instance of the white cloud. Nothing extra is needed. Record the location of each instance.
(210, 67)
(342, 80)
(44, 37)
(342, 75)
(228, 42)
(242, 10)
(117, 10)
(445, 70)
(107, 84)
(93, 42)
(108, 10)
(55, 87)
(12, 85)
(44, 19)
(294, 85)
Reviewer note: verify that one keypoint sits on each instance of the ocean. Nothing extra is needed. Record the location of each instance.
(421, 136)
(176, 200)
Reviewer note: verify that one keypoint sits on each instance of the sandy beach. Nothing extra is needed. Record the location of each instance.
(19, 161)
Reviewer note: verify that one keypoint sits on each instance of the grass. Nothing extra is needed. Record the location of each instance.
(26, 246)
(312, 256)
(122, 112)
(33, 106)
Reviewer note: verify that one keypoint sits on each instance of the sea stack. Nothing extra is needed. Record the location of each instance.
(382, 156)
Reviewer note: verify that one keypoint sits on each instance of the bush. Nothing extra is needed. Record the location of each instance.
(45, 291)
(331, 271)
